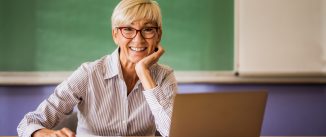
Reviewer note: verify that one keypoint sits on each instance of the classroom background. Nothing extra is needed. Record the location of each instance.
(278, 46)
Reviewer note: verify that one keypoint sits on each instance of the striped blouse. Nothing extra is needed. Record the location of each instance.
(103, 106)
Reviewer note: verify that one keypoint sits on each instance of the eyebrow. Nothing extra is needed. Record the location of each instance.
(145, 24)
(150, 23)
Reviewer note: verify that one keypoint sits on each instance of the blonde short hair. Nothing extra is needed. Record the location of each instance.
(128, 11)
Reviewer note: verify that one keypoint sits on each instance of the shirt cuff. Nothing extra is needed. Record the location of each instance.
(31, 129)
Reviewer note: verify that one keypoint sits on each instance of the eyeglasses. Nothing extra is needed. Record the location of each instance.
(130, 33)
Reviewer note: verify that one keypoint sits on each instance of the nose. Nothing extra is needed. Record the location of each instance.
(138, 37)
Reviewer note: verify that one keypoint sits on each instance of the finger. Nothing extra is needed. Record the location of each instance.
(156, 54)
(68, 132)
(60, 133)
(147, 61)
(53, 135)
(153, 61)
(153, 58)
(160, 50)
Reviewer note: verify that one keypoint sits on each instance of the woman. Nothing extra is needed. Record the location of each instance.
(122, 94)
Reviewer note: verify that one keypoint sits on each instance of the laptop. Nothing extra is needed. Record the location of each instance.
(227, 114)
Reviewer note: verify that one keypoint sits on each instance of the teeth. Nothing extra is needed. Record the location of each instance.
(137, 49)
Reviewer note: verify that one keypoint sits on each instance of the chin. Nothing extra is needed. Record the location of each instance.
(135, 60)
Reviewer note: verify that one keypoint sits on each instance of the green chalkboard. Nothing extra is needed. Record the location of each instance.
(59, 35)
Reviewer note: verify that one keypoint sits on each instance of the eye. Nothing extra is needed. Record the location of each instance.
(127, 29)
(149, 29)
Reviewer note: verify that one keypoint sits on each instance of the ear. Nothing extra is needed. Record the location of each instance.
(115, 36)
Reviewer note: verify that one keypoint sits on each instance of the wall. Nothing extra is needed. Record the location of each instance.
(291, 109)
(281, 36)
(324, 33)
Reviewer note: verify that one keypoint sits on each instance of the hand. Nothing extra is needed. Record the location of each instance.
(64, 132)
(142, 68)
(151, 59)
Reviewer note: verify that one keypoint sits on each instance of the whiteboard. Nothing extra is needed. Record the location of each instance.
(280, 37)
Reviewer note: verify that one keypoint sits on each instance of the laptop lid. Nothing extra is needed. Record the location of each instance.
(227, 114)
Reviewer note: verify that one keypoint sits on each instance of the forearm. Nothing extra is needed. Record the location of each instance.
(161, 108)
(45, 116)
(145, 77)
(160, 100)
(26, 128)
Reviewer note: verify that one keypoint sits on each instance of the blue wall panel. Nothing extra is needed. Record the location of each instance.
(291, 109)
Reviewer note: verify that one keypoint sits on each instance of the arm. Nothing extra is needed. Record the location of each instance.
(159, 96)
(160, 100)
(58, 105)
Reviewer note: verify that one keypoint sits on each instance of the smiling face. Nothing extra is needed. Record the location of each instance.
(134, 49)
(136, 17)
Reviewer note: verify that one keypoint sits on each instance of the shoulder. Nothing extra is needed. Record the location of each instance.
(160, 71)
(98, 65)
(163, 68)
(86, 73)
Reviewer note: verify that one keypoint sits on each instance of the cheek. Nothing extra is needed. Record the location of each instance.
(155, 41)
(123, 43)
(152, 45)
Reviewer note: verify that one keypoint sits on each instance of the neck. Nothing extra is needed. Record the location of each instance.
(128, 69)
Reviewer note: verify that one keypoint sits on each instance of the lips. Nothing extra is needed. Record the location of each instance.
(138, 49)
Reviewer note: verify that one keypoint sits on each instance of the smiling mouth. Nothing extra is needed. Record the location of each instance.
(138, 49)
